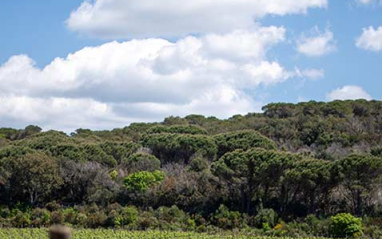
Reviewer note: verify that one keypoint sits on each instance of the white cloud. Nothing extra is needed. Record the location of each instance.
(68, 114)
(371, 39)
(221, 101)
(318, 44)
(350, 92)
(56, 113)
(148, 18)
(134, 70)
(313, 74)
(144, 80)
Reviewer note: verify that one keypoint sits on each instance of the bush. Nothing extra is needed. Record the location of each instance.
(265, 217)
(127, 217)
(142, 162)
(377, 151)
(70, 215)
(373, 231)
(318, 227)
(147, 220)
(57, 217)
(226, 219)
(97, 219)
(345, 225)
(5, 212)
(40, 217)
(143, 180)
(81, 219)
(21, 219)
(171, 218)
(198, 163)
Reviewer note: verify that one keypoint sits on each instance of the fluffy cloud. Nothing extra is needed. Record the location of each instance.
(317, 45)
(56, 113)
(350, 92)
(68, 114)
(144, 80)
(371, 39)
(313, 74)
(152, 69)
(148, 18)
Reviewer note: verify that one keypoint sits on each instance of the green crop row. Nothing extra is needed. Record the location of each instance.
(118, 234)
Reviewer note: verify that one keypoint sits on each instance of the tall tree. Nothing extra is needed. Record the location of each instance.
(360, 175)
(34, 175)
(256, 172)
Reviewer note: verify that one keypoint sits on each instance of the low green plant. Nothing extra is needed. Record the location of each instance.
(141, 181)
(345, 225)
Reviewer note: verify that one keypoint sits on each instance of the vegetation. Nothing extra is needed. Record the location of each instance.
(345, 225)
(143, 180)
(117, 234)
(294, 170)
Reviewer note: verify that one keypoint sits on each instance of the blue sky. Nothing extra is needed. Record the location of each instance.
(288, 52)
(348, 65)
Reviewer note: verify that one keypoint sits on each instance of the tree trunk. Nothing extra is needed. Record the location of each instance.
(359, 203)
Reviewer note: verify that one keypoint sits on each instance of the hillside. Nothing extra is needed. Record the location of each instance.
(286, 163)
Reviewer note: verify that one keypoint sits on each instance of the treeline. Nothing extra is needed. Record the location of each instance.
(292, 160)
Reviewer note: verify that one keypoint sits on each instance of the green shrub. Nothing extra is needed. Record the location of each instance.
(5, 212)
(57, 217)
(377, 151)
(171, 218)
(81, 219)
(265, 217)
(198, 163)
(40, 217)
(142, 162)
(318, 227)
(226, 219)
(70, 215)
(147, 220)
(21, 219)
(141, 181)
(128, 216)
(114, 175)
(96, 220)
(345, 225)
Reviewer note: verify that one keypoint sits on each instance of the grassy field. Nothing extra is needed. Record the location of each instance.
(117, 234)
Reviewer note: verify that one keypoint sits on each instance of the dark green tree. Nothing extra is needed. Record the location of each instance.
(245, 140)
(33, 175)
(359, 175)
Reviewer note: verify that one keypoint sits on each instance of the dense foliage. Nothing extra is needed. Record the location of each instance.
(346, 225)
(293, 166)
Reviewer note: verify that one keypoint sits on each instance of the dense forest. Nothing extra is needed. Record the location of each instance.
(292, 167)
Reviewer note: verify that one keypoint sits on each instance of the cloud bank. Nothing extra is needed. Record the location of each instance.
(177, 57)
(145, 80)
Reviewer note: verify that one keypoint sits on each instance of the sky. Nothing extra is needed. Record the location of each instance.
(104, 64)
